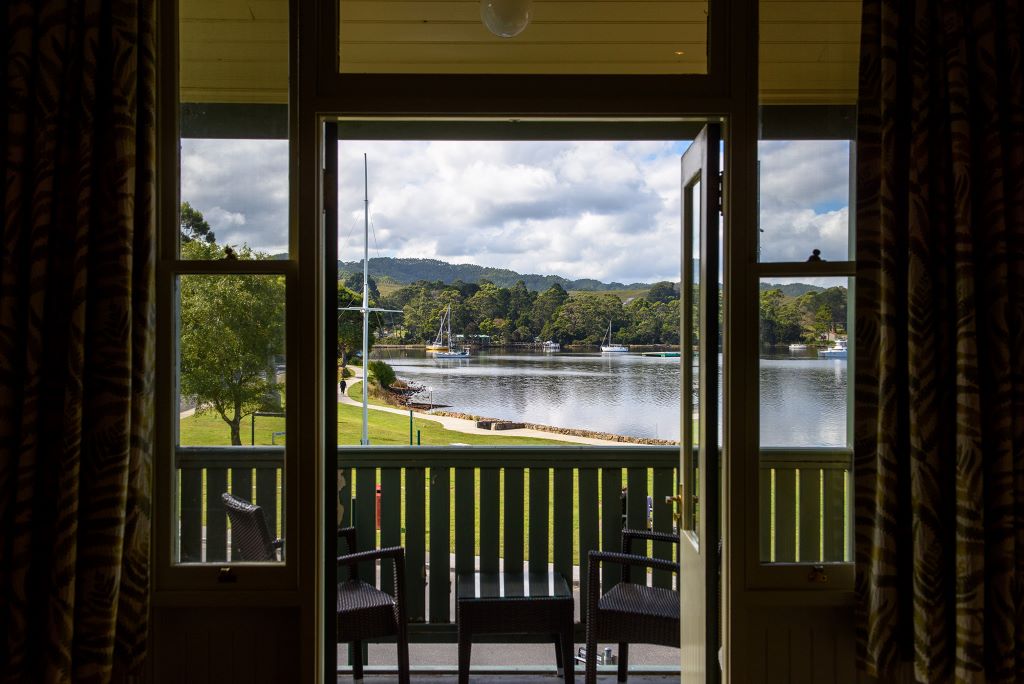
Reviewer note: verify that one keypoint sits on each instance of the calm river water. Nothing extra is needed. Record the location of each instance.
(803, 398)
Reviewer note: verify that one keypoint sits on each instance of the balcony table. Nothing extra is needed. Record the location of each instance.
(508, 603)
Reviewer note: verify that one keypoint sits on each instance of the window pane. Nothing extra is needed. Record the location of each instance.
(803, 366)
(618, 37)
(804, 200)
(231, 393)
(805, 493)
(233, 90)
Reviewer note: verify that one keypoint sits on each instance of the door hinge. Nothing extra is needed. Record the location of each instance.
(721, 193)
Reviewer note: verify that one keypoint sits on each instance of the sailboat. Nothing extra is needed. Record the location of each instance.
(611, 347)
(444, 332)
(365, 308)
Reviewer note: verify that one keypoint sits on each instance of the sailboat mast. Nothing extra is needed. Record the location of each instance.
(366, 302)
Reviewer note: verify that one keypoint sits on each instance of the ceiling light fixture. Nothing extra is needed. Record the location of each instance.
(505, 18)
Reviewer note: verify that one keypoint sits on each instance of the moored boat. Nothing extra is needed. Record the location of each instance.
(836, 351)
(796, 346)
(550, 346)
(442, 350)
(609, 347)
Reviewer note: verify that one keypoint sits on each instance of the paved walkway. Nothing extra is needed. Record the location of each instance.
(468, 426)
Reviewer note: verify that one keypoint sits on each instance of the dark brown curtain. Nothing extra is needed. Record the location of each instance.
(77, 312)
(940, 341)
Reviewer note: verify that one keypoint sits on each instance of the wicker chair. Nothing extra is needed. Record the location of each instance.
(365, 612)
(630, 613)
(249, 531)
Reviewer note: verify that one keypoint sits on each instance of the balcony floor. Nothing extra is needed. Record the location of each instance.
(508, 679)
(491, 657)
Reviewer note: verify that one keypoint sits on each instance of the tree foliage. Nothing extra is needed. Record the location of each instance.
(232, 327)
(383, 374)
(194, 226)
(350, 325)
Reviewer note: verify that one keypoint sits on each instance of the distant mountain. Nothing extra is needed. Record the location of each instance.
(407, 271)
(792, 289)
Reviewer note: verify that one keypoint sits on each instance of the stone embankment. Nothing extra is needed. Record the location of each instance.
(498, 424)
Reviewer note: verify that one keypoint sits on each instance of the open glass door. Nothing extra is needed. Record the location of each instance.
(699, 454)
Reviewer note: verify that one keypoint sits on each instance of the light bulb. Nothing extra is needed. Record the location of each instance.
(505, 18)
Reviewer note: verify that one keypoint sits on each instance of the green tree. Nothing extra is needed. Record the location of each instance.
(584, 318)
(544, 307)
(383, 374)
(350, 325)
(232, 326)
(193, 226)
(354, 282)
(662, 291)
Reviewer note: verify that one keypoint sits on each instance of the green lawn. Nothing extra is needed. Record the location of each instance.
(385, 429)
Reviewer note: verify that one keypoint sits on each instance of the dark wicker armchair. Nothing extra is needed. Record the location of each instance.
(628, 612)
(365, 612)
(249, 531)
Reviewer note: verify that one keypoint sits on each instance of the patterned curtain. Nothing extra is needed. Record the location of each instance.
(77, 259)
(940, 341)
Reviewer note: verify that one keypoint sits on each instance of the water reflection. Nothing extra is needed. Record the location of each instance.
(803, 399)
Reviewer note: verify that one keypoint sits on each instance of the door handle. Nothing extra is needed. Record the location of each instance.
(676, 503)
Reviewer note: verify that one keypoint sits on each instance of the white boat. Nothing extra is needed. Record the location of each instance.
(442, 349)
(610, 347)
(796, 346)
(836, 351)
(550, 346)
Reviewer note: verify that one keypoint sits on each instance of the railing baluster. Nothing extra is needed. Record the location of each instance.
(241, 486)
(662, 514)
(266, 496)
(216, 520)
(611, 523)
(785, 515)
(366, 519)
(515, 519)
(835, 515)
(390, 520)
(810, 515)
(191, 515)
(764, 507)
(344, 514)
(636, 515)
(465, 524)
(588, 530)
(415, 542)
(563, 514)
(490, 523)
(539, 518)
(440, 560)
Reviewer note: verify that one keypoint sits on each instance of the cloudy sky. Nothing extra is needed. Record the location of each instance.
(604, 210)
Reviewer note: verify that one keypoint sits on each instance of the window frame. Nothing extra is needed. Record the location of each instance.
(794, 123)
(210, 578)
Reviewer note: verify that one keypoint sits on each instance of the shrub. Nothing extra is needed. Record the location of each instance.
(383, 373)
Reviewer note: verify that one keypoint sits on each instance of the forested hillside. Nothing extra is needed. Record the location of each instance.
(412, 270)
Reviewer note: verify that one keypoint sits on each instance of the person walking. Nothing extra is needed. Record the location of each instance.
(341, 385)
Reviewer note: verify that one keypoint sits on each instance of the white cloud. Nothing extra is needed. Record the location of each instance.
(605, 210)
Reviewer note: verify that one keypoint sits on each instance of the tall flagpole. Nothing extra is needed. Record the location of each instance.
(365, 308)
(366, 301)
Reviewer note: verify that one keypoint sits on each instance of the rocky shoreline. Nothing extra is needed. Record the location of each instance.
(571, 432)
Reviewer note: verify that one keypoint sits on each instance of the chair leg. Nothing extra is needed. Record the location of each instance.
(357, 661)
(568, 662)
(590, 676)
(623, 661)
(465, 649)
(403, 655)
(558, 654)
